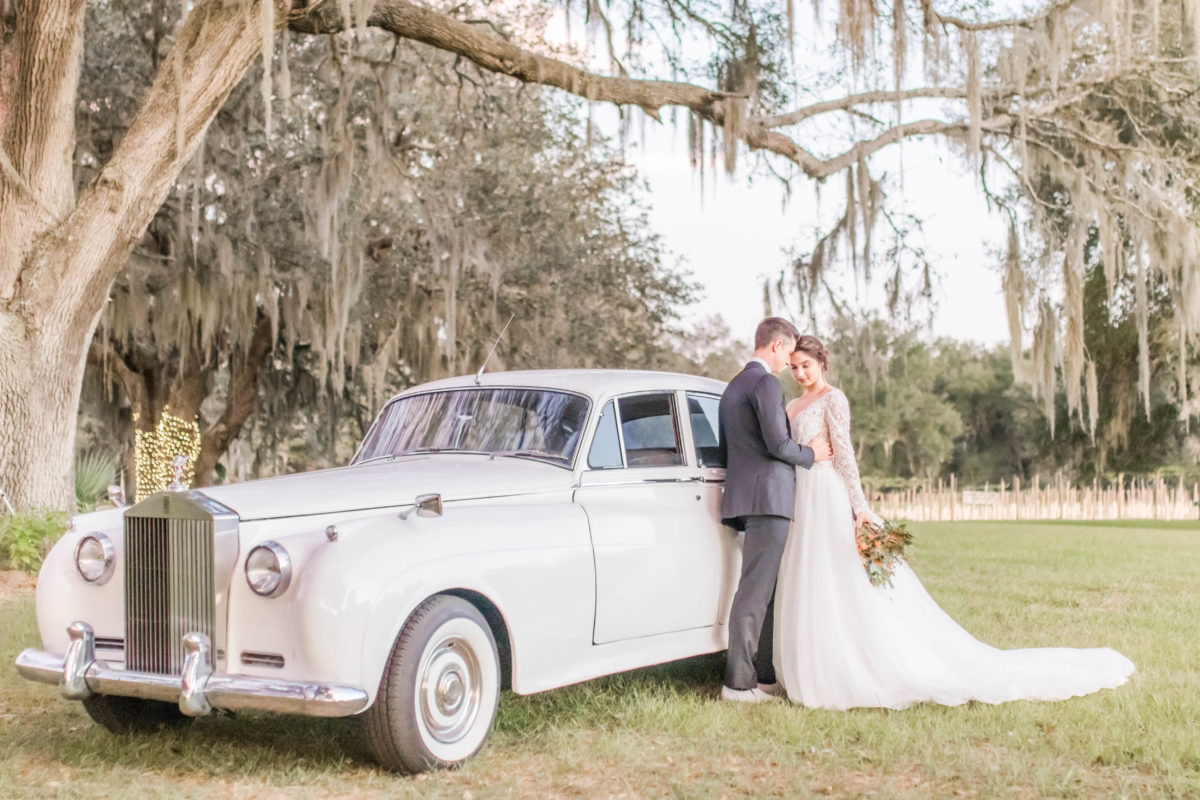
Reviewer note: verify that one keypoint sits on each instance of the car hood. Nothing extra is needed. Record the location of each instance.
(389, 483)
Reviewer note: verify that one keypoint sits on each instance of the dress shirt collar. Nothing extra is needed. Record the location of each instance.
(765, 365)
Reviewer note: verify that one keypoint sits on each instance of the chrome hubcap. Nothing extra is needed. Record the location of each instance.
(449, 689)
(449, 692)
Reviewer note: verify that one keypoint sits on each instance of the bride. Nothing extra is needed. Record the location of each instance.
(842, 643)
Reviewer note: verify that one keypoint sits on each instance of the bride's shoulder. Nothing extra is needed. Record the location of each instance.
(837, 397)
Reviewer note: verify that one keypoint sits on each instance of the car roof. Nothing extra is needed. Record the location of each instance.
(595, 383)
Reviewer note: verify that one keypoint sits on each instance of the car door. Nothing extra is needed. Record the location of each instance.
(702, 419)
(659, 552)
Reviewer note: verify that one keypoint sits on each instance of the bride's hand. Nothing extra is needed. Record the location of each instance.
(860, 519)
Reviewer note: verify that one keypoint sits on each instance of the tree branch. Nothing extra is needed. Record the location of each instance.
(864, 98)
(241, 402)
(39, 121)
(9, 173)
(413, 22)
(39, 76)
(1011, 22)
(101, 351)
(452, 35)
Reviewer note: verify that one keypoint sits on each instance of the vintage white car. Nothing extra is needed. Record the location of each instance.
(522, 530)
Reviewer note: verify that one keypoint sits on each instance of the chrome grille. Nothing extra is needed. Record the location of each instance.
(169, 589)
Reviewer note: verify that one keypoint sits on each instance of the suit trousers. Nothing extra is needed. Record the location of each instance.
(751, 618)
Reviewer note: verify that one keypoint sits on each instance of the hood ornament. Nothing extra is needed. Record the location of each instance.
(178, 464)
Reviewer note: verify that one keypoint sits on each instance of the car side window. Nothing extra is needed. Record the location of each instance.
(650, 430)
(606, 445)
(702, 409)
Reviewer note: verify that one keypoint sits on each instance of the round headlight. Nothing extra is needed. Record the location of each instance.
(95, 558)
(268, 569)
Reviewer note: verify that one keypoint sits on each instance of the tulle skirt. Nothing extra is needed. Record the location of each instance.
(842, 643)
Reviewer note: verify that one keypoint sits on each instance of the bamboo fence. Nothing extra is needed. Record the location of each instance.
(1136, 498)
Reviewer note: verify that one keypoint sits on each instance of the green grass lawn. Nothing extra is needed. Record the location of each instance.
(661, 732)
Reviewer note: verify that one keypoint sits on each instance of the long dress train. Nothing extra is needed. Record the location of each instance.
(842, 643)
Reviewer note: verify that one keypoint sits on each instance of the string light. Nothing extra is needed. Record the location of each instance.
(155, 449)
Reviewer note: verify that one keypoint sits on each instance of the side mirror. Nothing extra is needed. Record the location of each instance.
(429, 505)
(426, 505)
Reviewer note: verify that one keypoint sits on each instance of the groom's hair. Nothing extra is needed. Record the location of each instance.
(773, 328)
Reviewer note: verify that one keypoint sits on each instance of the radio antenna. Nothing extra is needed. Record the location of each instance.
(494, 344)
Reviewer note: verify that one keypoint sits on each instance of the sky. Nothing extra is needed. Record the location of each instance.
(733, 234)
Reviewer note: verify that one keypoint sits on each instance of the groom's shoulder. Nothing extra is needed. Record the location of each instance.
(766, 383)
(745, 378)
(751, 370)
(753, 379)
(760, 376)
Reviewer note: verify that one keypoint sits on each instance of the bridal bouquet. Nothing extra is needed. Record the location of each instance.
(881, 547)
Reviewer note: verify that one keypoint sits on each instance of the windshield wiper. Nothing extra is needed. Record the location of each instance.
(417, 452)
(525, 454)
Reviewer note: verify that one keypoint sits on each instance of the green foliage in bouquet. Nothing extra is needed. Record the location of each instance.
(881, 548)
(26, 537)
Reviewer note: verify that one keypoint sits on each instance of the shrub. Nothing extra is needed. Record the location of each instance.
(26, 537)
(94, 473)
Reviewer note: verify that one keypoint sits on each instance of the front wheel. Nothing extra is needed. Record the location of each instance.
(440, 688)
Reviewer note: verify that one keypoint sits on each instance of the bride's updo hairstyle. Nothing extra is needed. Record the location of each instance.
(811, 346)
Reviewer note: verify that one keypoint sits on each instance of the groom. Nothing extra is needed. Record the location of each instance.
(760, 487)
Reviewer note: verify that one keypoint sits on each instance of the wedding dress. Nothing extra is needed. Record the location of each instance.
(841, 642)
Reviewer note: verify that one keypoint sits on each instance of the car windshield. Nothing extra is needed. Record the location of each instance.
(519, 422)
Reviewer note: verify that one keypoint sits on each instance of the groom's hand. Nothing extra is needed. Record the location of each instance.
(821, 449)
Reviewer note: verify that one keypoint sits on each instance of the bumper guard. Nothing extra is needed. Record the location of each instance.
(79, 674)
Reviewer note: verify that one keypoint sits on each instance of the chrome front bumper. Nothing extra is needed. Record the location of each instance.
(79, 674)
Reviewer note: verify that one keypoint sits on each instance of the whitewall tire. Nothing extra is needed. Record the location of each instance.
(440, 688)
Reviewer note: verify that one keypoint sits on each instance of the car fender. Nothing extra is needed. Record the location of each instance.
(63, 596)
(531, 560)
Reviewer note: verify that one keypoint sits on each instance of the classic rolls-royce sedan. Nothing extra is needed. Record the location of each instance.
(520, 530)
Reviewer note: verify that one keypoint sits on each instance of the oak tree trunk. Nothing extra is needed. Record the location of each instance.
(41, 374)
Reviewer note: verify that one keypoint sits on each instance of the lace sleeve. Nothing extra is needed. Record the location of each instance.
(837, 418)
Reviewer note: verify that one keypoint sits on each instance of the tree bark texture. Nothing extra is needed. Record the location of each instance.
(40, 382)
